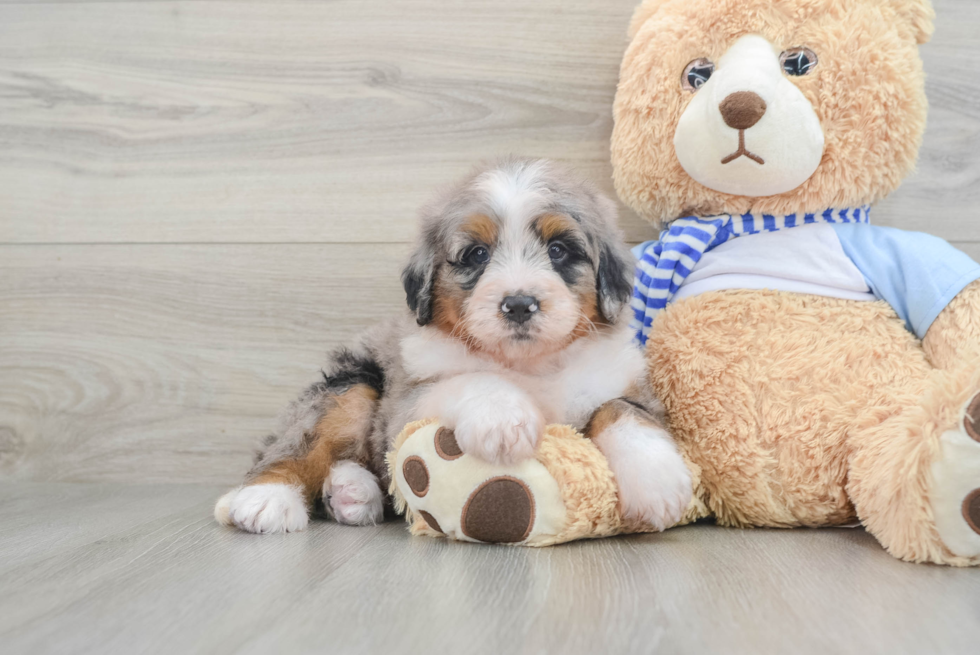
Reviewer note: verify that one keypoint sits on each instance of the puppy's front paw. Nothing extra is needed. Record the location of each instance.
(265, 508)
(653, 480)
(352, 495)
(500, 428)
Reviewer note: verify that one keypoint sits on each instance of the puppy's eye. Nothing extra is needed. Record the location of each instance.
(697, 73)
(557, 251)
(798, 61)
(476, 256)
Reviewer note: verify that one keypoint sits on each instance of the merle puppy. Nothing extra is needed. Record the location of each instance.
(517, 315)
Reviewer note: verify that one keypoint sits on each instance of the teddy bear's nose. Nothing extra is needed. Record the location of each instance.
(742, 109)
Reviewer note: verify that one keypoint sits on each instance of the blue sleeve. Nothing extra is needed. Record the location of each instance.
(917, 274)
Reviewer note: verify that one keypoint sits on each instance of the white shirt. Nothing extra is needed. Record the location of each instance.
(806, 259)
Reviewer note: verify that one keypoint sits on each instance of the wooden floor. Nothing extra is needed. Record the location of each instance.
(105, 568)
(198, 199)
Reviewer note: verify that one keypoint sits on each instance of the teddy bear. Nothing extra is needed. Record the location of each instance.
(817, 370)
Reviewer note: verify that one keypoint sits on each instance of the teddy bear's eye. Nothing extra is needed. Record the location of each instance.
(697, 73)
(798, 61)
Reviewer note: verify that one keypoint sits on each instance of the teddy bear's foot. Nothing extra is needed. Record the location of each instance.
(955, 494)
(466, 498)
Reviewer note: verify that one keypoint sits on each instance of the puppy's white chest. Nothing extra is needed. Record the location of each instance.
(587, 374)
(592, 377)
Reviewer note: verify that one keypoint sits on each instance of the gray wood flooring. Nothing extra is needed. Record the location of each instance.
(108, 568)
(197, 199)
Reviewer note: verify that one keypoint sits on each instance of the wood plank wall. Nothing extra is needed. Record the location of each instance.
(198, 199)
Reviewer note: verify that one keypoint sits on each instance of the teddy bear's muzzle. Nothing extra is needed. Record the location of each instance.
(740, 111)
(749, 130)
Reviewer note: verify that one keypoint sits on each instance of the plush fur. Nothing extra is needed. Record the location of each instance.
(867, 91)
(516, 317)
(800, 410)
(834, 416)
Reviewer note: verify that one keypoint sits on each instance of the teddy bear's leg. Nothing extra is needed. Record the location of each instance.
(914, 478)
(460, 496)
(952, 345)
(953, 340)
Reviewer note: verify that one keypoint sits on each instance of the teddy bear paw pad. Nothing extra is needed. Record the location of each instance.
(501, 510)
(465, 498)
(446, 445)
(971, 418)
(955, 493)
(416, 475)
(971, 510)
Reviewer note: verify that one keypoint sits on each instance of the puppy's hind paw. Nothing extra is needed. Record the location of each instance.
(264, 508)
(352, 495)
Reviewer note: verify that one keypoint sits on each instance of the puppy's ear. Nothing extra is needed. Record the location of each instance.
(614, 263)
(614, 280)
(418, 278)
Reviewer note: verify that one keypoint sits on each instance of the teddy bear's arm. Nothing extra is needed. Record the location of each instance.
(953, 340)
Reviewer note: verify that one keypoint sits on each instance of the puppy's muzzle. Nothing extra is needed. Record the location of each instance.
(519, 309)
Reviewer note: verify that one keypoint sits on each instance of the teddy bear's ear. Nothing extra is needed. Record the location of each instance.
(642, 13)
(920, 15)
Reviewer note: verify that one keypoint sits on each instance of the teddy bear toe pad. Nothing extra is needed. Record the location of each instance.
(501, 510)
(971, 419)
(416, 475)
(971, 510)
(955, 495)
(465, 498)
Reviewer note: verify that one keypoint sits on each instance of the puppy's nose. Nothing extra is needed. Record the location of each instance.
(519, 309)
(742, 109)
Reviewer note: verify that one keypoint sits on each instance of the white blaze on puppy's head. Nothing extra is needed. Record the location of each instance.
(518, 261)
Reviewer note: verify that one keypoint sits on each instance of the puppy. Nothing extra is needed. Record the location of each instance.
(518, 293)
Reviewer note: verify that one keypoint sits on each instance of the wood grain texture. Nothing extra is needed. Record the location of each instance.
(197, 200)
(89, 576)
(306, 121)
(287, 121)
(168, 363)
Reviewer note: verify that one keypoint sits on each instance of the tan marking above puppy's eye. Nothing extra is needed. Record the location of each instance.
(554, 225)
(696, 73)
(482, 228)
(798, 61)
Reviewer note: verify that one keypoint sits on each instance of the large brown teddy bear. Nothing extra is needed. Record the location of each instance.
(817, 370)
(849, 392)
